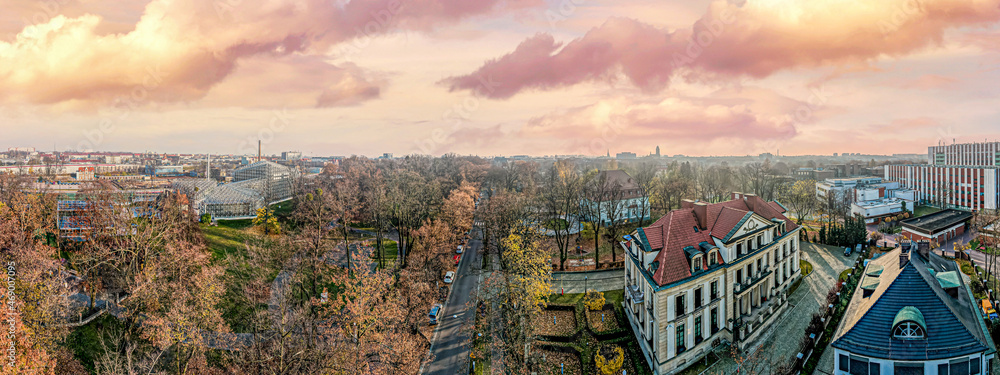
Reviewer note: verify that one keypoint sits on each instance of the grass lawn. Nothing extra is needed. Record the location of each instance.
(556, 224)
(391, 252)
(806, 267)
(85, 343)
(924, 210)
(283, 209)
(225, 238)
(843, 274)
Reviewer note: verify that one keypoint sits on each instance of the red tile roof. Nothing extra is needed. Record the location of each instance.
(676, 230)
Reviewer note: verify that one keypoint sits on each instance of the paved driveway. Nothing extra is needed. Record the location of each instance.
(781, 341)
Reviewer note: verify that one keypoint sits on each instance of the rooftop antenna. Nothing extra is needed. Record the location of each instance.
(258, 150)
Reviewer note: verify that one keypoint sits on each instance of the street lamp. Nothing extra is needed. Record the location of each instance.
(585, 288)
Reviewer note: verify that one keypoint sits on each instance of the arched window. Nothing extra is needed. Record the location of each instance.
(909, 324)
(908, 330)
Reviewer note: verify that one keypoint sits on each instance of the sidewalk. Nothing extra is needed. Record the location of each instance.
(579, 282)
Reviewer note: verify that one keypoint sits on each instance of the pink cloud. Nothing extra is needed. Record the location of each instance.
(180, 49)
(755, 39)
(674, 121)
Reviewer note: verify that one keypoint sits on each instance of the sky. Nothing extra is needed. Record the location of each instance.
(499, 77)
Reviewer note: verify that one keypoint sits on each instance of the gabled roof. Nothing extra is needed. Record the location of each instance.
(952, 325)
(677, 229)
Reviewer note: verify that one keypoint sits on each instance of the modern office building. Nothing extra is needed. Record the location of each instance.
(985, 154)
(954, 186)
(705, 273)
(912, 314)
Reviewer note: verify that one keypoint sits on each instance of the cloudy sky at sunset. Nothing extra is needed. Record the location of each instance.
(499, 77)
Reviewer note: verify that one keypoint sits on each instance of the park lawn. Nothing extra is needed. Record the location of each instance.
(225, 238)
(924, 210)
(391, 252)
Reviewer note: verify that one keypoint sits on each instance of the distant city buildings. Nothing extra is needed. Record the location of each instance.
(625, 155)
(291, 155)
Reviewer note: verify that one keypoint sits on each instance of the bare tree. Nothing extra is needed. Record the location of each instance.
(645, 176)
(561, 199)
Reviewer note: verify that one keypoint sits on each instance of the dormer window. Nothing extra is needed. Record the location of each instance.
(696, 263)
(909, 324)
(712, 256)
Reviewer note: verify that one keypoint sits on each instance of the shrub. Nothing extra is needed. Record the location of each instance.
(594, 300)
(612, 366)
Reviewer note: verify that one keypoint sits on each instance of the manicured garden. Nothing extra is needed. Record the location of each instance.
(585, 327)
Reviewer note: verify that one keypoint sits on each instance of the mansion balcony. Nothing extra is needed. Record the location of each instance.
(749, 324)
(748, 284)
(634, 294)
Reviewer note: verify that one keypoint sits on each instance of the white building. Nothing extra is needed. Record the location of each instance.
(708, 273)
(623, 201)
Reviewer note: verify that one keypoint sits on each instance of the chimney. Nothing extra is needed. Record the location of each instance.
(737, 195)
(904, 257)
(752, 200)
(923, 249)
(258, 150)
(687, 203)
(701, 213)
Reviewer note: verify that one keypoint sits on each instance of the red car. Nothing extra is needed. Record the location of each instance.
(458, 258)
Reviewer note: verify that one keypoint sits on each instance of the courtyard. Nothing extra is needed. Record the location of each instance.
(781, 342)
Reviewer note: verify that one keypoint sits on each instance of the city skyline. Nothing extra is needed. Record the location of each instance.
(498, 78)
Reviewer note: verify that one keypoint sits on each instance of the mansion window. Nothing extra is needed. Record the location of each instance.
(697, 330)
(739, 249)
(908, 330)
(697, 263)
(679, 305)
(714, 290)
(697, 298)
(739, 276)
(715, 319)
(679, 337)
(760, 240)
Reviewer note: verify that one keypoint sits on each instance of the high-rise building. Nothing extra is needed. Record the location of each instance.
(956, 186)
(971, 154)
(960, 176)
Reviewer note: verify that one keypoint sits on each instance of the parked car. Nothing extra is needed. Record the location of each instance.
(460, 249)
(847, 251)
(448, 277)
(457, 258)
(436, 310)
(858, 248)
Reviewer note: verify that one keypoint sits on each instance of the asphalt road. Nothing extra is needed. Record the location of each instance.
(450, 345)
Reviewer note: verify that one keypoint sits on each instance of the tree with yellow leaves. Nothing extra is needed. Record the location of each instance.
(267, 221)
(594, 300)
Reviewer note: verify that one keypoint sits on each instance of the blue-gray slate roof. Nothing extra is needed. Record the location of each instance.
(867, 326)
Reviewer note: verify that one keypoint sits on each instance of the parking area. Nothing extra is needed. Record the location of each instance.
(781, 341)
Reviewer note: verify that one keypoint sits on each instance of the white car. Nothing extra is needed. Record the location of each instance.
(448, 277)
(460, 249)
